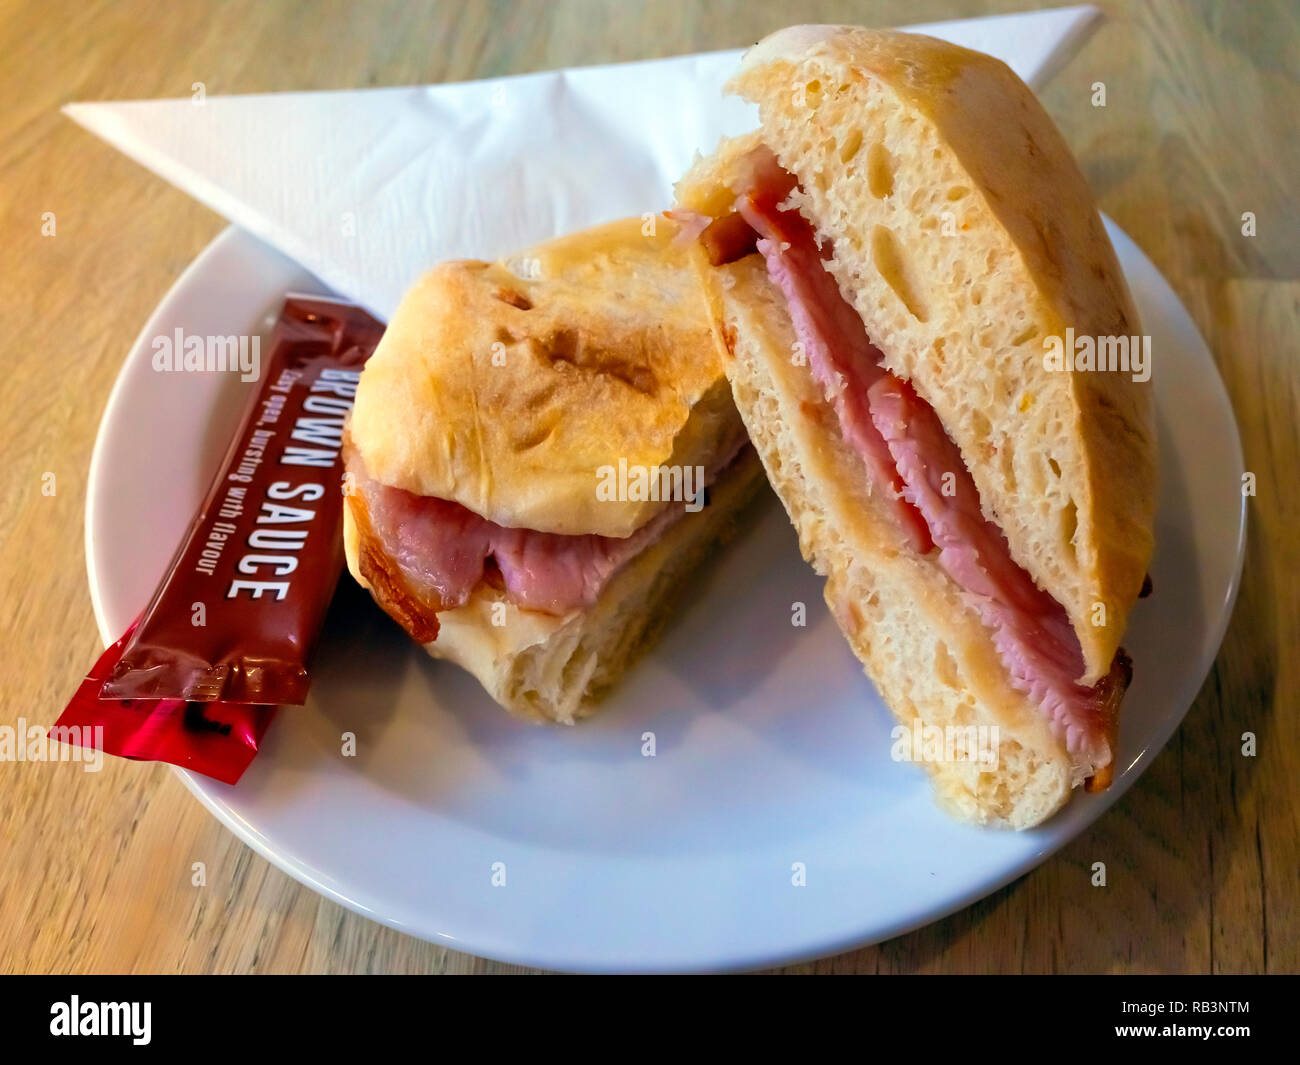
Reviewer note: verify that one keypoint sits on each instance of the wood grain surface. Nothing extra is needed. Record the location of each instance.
(1200, 125)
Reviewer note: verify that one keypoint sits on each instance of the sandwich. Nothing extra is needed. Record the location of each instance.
(890, 262)
(540, 451)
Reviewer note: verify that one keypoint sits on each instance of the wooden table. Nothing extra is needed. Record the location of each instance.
(1200, 126)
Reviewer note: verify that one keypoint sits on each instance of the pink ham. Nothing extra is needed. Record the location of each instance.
(442, 550)
(1030, 629)
(843, 359)
(904, 446)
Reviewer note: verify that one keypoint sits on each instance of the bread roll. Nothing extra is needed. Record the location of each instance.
(507, 388)
(963, 234)
(549, 668)
(504, 386)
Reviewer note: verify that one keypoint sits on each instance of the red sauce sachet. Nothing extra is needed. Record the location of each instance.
(218, 740)
(229, 632)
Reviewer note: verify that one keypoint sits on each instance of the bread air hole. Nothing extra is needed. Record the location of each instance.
(1069, 523)
(515, 299)
(880, 171)
(850, 146)
(945, 667)
(982, 428)
(893, 268)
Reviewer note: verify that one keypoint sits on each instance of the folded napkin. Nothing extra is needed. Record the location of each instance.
(368, 188)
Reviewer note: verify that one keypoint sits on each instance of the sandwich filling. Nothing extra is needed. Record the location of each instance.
(914, 466)
(423, 555)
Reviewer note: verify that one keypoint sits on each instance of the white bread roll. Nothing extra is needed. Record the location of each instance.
(896, 138)
(504, 386)
(507, 387)
(923, 646)
(548, 668)
(888, 133)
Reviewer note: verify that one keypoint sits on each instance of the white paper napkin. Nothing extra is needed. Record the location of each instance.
(368, 188)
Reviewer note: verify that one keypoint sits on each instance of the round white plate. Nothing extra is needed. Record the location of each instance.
(770, 746)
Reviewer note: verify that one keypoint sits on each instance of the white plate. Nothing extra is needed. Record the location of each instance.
(771, 746)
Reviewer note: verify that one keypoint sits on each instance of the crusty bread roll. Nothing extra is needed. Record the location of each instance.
(506, 388)
(556, 668)
(963, 234)
(924, 647)
(503, 386)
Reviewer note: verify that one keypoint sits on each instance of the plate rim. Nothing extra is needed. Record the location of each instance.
(736, 959)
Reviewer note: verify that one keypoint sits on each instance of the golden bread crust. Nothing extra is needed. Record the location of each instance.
(506, 386)
(966, 237)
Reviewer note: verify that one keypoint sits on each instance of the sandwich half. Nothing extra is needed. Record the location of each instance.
(541, 449)
(889, 261)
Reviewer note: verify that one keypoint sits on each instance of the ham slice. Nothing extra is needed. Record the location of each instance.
(843, 360)
(424, 555)
(441, 551)
(1031, 630)
(907, 452)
